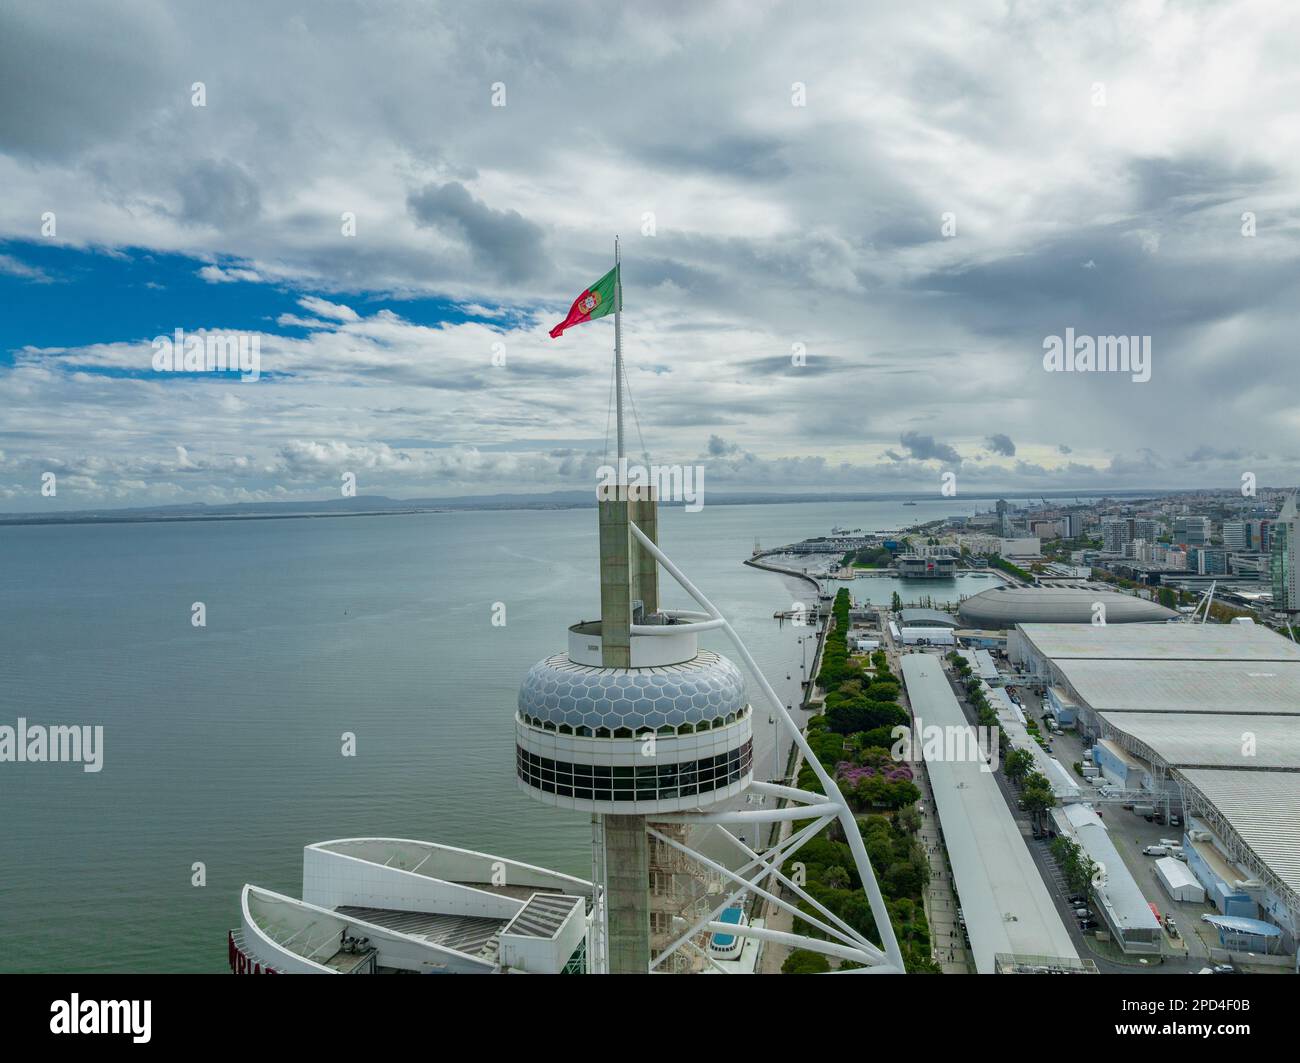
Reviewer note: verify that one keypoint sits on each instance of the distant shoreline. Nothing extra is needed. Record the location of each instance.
(566, 500)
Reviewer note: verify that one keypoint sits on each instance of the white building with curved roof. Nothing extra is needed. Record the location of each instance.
(1005, 607)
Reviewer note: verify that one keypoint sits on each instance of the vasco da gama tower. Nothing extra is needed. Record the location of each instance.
(637, 725)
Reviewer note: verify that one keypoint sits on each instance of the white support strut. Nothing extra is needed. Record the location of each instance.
(792, 843)
(835, 799)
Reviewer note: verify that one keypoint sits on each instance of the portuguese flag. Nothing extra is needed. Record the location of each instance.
(596, 301)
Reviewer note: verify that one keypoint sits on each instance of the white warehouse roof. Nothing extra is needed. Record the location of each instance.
(1209, 740)
(1003, 897)
(1120, 894)
(1262, 808)
(1171, 642)
(1238, 687)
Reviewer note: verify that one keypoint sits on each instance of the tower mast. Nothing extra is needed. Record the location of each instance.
(618, 355)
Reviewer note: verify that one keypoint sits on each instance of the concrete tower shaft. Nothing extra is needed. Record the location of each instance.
(628, 574)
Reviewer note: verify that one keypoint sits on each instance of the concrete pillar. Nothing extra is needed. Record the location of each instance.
(627, 894)
(615, 585)
(645, 570)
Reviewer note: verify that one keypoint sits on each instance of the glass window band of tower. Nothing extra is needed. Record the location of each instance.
(641, 782)
(582, 731)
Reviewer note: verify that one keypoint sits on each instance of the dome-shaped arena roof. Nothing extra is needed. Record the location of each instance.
(1004, 607)
(560, 692)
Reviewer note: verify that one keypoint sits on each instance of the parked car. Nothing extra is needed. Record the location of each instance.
(1087, 924)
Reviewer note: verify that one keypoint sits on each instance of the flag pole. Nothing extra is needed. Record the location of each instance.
(618, 353)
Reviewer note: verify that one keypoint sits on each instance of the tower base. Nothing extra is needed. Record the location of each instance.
(627, 896)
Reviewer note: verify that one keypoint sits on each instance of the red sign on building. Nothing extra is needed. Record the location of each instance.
(241, 962)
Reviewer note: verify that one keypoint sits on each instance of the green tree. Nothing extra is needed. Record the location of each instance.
(803, 961)
(1037, 797)
(1018, 765)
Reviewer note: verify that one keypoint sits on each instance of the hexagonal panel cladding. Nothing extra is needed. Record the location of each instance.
(560, 692)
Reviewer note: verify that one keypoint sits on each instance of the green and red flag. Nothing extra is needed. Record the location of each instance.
(596, 301)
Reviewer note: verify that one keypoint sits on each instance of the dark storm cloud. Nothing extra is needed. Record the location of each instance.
(924, 447)
(1001, 444)
(1192, 182)
(502, 242)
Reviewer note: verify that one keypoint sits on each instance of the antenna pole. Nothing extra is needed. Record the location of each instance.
(618, 354)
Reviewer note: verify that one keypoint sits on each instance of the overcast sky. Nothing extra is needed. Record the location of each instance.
(799, 163)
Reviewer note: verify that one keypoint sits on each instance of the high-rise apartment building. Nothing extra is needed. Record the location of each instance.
(1192, 531)
(1283, 540)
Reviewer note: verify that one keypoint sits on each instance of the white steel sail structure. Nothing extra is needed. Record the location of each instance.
(819, 810)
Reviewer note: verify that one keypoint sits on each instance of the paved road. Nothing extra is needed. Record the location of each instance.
(1040, 851)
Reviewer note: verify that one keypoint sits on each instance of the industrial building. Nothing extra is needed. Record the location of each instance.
(1251, 817)
(984, 640)
(1005, 607)
(981, 664)
(1033, 644)
(1178, 882)
(1116, 895)
(1014, 724)
(920, 566)
(1205, 718)
(1008, 911)
(923, 636)
(927, 618)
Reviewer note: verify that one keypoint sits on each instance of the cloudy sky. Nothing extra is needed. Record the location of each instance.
(913, 198)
